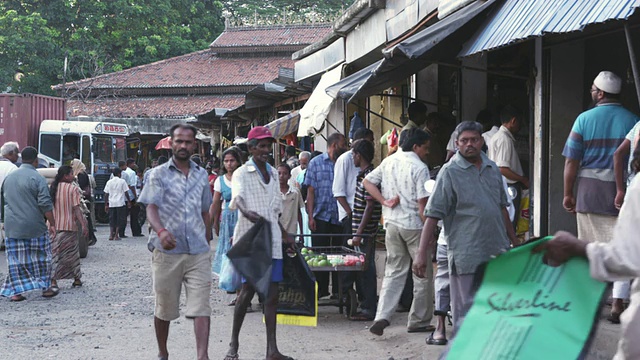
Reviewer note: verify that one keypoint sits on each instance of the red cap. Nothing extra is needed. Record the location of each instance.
(259, 133)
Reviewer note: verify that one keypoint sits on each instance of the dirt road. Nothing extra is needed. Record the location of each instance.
(111, 317)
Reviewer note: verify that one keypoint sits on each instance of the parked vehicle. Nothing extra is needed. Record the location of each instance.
(22, 114)
(99, 145)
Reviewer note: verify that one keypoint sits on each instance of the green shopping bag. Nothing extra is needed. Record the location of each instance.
(525, 309)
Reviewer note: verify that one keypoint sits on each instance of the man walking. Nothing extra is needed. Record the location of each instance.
(256, 194)
(470, 200)
(401, 178)
(26, 202)
(595, 136)
(178, 199)
(322, 206)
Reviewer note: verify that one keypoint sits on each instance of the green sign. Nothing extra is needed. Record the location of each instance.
(525, 309)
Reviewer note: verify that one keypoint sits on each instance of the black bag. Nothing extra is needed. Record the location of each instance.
(297, 291)
(304, 188)
(251, 256)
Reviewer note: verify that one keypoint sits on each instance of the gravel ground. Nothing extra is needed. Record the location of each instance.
(111, 317)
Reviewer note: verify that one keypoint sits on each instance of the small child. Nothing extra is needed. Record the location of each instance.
(291, 217)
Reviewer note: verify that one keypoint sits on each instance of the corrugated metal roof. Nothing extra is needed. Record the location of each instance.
(518, 20)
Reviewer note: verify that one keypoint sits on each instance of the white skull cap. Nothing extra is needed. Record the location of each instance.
(608, 82)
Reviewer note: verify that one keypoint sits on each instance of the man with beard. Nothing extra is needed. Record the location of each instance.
(589, 153)
(469, 198)
(322, 206)
(178, 199)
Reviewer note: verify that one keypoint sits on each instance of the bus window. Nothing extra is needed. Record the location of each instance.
(121, 150)
(102, 149)
(86, 152)
(70, 148)
(50, 146)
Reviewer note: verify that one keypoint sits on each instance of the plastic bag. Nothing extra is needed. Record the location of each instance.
(522, 226)
(230, 279)
(297, 300)
(251, 256)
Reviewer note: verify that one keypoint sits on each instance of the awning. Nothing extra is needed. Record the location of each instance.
(315, 110)
(439, 41)
(517, 20)
(284, 125)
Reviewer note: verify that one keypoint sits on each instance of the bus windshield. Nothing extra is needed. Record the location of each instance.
(104, 149)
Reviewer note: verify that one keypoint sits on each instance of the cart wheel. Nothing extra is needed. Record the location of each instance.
(352, 298)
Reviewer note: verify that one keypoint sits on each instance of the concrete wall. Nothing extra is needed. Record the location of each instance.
(474, 87)
(566, 95)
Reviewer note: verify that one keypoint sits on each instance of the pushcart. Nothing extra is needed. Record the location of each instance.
(351, 301)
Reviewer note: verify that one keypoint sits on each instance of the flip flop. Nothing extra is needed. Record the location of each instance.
(614, 318)
(431, 341)
(231, 357)
(17, 298)
(361, 317)
(420, 329)
(49, 293)
(76, 283)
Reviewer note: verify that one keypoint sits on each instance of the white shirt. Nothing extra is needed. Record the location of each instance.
(264, 199)
(131, 178)
(451, 145)
(403, 174)
(116, 188)
(345, 176)
(487, 135)
(619, 260)
(294, 175)
(503, 152)
(6, 167)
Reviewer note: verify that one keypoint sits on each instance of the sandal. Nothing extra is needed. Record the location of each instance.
(378, 327)
(231, 357)
(77, 283)
(614, 318)
(233, 302)
(431, 341)
(17, 298)
(50, 292)
(361, 317)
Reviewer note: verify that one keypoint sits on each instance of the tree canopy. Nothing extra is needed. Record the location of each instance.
(249, 12)
(96, 37)
(103, 36)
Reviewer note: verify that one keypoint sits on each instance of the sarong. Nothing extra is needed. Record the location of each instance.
(29, 263)
(66, 256)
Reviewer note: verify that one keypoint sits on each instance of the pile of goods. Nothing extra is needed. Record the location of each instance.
(319, 260)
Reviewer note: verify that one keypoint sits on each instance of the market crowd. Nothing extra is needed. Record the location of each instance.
(451, 201)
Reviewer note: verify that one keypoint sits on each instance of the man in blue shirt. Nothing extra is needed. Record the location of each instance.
(322, 206)
(178, 198)
(589, 153)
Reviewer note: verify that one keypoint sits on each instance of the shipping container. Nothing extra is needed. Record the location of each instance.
(22, 114)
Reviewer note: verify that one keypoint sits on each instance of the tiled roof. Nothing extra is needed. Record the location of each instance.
(154, 107)
(198, 69)
(275, 35)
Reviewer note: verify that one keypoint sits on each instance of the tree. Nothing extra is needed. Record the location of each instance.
(251, 12)
(98, 36)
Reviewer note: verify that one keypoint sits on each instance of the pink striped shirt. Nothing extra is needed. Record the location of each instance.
(68, 196)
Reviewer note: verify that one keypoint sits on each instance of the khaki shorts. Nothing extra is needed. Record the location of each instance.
(170, 272)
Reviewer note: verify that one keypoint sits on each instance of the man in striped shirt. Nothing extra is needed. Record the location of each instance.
(366, 217)
(595, 136)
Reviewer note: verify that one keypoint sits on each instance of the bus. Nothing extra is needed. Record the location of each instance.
(99, 145)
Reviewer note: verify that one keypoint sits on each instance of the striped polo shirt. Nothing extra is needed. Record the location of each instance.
(595, 136)
(360, 204)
